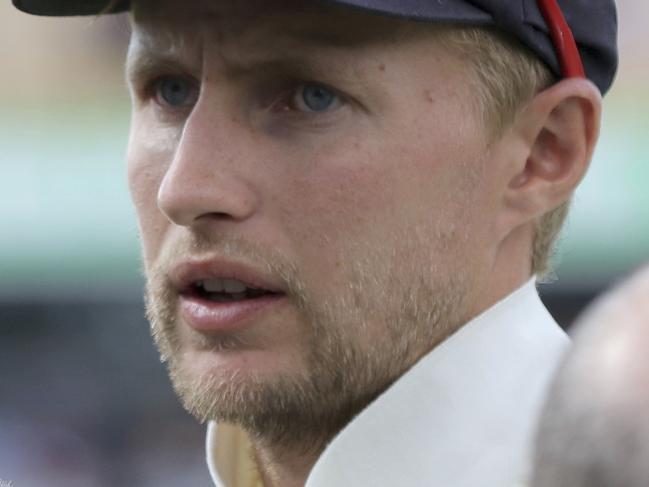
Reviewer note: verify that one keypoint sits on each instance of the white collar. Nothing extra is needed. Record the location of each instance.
(463, 416)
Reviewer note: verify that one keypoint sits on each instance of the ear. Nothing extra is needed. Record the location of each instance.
(555, 137)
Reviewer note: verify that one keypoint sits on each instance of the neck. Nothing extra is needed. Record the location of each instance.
(284, 467)
(510, 269)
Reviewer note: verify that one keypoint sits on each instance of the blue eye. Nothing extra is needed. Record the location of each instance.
(176, 92)
(315, 98)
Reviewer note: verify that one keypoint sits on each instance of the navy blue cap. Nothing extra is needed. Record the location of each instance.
(593, 23)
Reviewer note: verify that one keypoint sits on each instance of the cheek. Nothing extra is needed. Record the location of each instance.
(365, 188)
(354, 203)
(375, 198)
(343, 193)
(149, 154)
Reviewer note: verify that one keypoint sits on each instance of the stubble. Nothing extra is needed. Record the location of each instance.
(393, 294)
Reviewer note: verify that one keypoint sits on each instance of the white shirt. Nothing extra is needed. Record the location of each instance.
(463, 416)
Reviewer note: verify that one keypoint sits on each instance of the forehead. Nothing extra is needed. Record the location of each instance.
(165, 24)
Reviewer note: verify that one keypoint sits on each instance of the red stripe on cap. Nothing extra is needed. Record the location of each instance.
(564, 41)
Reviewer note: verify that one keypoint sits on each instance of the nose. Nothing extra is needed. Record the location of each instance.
(207, 178)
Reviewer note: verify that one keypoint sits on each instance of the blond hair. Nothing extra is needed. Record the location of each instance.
(507, 76)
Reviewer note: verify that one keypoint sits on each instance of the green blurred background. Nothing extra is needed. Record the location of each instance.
(85, 400)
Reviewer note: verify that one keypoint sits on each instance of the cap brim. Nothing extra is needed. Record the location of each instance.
(595, 34)
(64, 8)
(411, 9)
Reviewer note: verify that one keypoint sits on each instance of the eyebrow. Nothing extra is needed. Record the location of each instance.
(149, 66)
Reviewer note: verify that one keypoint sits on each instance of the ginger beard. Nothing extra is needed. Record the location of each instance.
(393, 294)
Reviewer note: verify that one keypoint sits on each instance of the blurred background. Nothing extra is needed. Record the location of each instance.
(84, 400)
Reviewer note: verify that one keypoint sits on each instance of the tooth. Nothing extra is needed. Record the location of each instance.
(234, 287)
(213, 285)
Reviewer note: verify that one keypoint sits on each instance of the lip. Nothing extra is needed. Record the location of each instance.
(187, 273)
(210, 316)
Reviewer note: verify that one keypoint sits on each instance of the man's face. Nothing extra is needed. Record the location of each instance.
(333, 157)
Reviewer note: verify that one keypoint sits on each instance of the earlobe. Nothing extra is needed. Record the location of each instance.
(559, 127)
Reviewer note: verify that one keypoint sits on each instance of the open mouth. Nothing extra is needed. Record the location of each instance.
(227, 290)
(222, 297)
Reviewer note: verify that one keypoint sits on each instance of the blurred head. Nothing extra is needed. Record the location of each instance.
(387, 187)
(595, 426)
